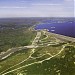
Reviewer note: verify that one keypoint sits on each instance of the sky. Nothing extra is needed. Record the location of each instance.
(37, 8)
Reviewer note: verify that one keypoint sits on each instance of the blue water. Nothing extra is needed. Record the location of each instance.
(65, 28)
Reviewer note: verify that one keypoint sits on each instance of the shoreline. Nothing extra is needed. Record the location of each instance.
(59, 36)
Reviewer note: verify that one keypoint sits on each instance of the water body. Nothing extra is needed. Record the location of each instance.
(63, 28)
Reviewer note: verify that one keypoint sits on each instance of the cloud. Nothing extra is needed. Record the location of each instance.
(11, 7)
(46, 4)
(23, 1)
(38, 9)
(69, 0)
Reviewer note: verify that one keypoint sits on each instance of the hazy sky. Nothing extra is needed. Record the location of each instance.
(36, 8)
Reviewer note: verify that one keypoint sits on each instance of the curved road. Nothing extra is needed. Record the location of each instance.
(12, 50)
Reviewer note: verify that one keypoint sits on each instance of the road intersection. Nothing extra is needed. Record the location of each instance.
(33, 47)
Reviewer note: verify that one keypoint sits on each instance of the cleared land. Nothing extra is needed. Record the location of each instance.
(46, 55)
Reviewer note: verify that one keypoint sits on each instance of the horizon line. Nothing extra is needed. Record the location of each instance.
(41, 17)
